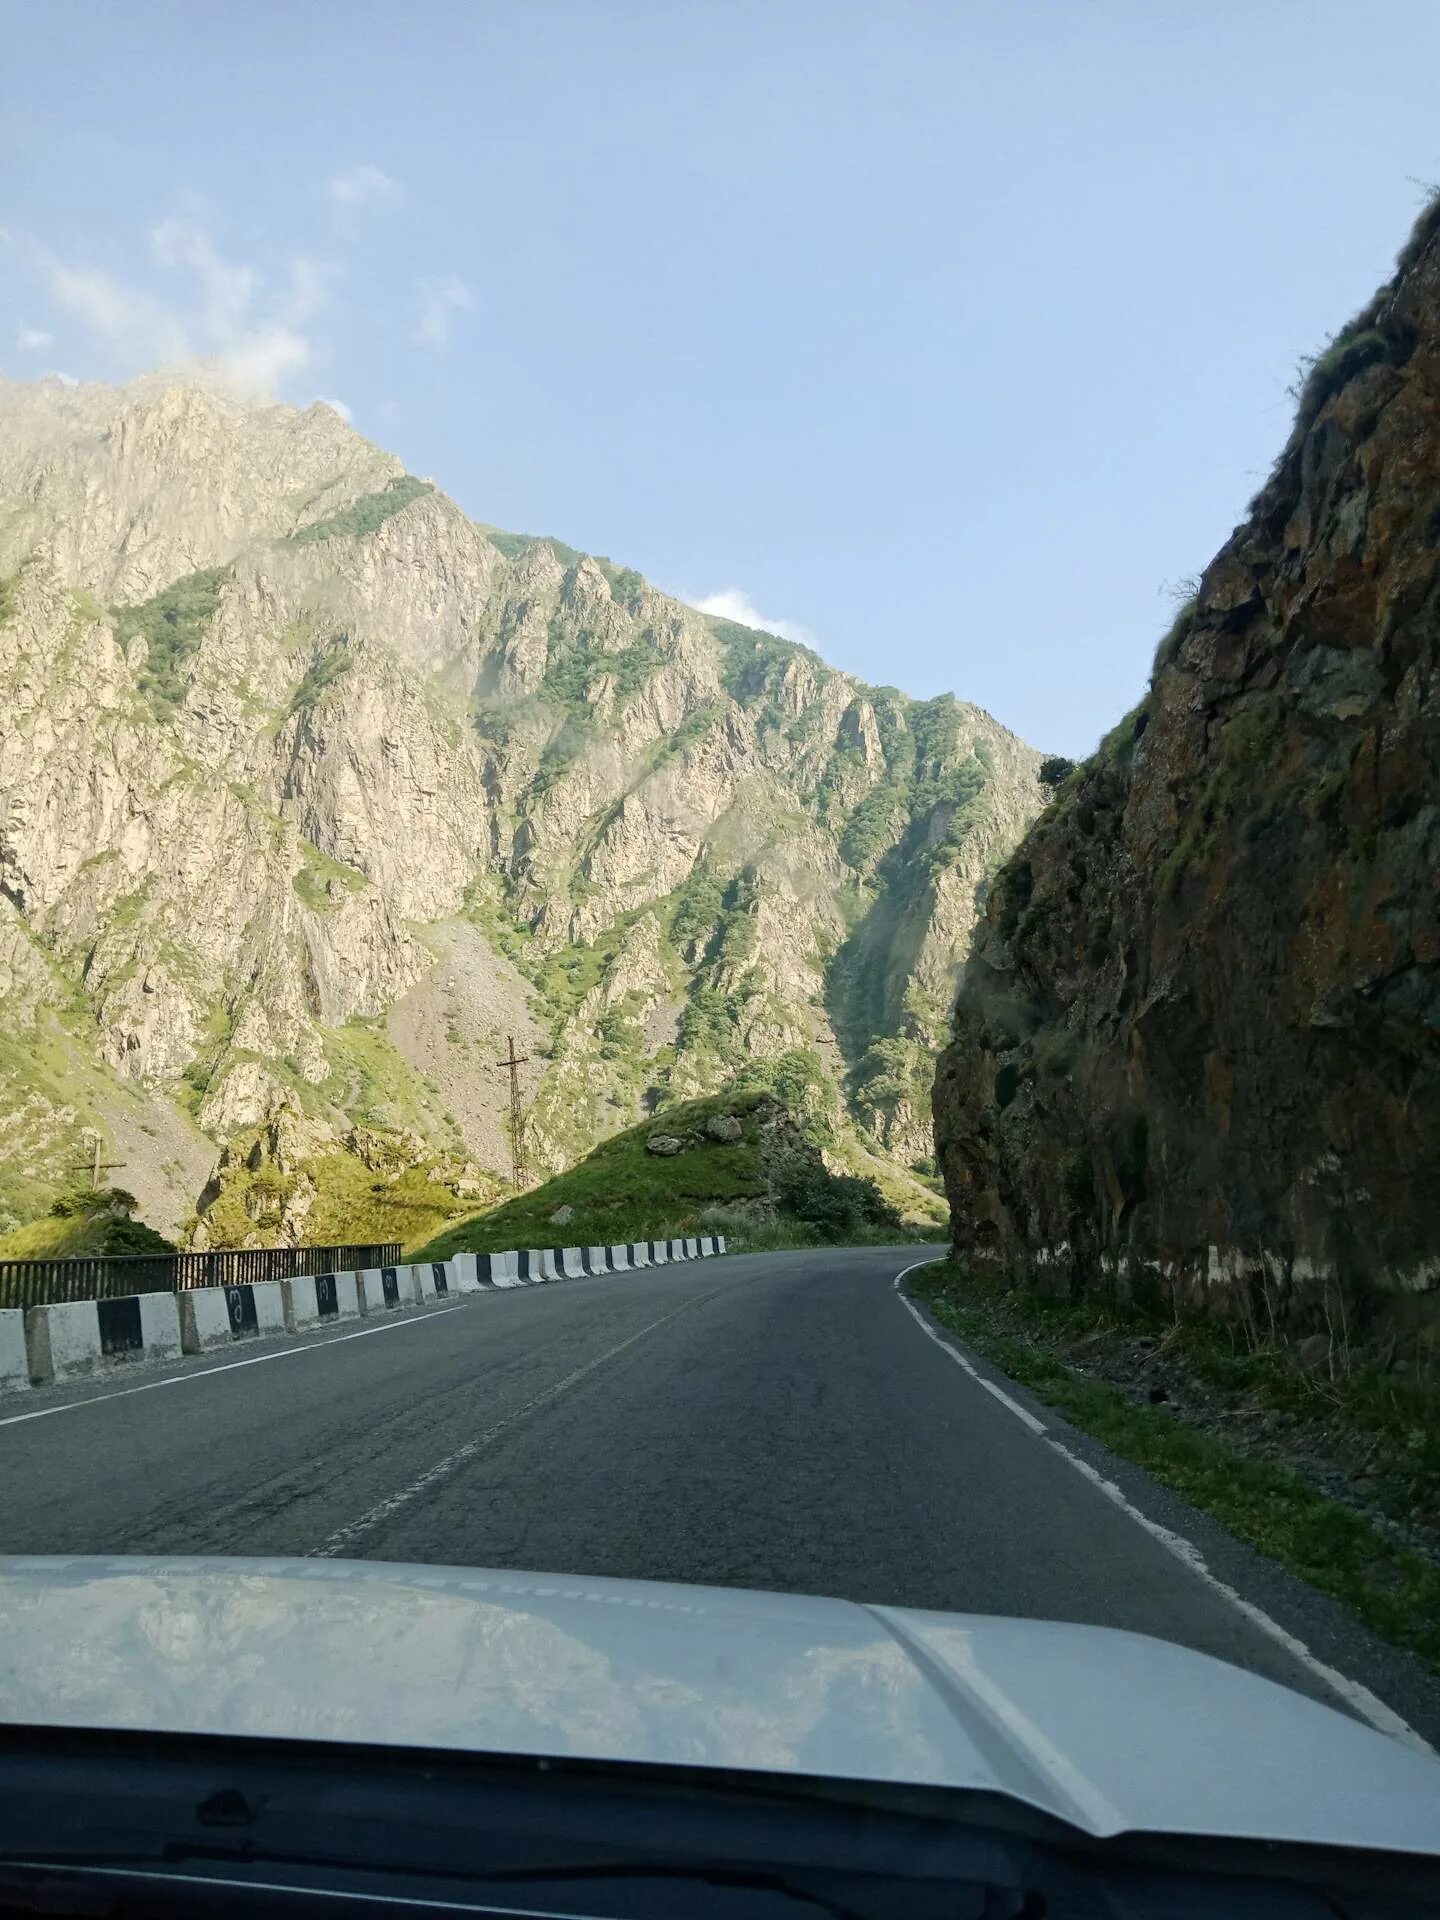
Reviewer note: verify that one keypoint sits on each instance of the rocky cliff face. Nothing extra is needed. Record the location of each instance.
(312, 791)
(1197, 1047)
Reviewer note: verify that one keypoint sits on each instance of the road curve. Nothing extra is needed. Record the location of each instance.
(772, 1420)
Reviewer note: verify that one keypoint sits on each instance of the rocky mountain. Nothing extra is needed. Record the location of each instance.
(312, 790)
(1197, 1047)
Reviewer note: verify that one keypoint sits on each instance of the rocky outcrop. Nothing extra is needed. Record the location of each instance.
(1197, 1047)
(314, 792)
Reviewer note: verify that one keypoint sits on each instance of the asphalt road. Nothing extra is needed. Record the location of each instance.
(773, 1420)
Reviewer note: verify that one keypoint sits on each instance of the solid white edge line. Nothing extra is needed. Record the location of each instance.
(1368, 1705)
(228, 1366)
(1021, 1413)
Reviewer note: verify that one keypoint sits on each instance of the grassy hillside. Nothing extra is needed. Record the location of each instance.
(766, 1187)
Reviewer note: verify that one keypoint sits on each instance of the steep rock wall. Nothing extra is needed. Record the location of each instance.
(1197, 1045)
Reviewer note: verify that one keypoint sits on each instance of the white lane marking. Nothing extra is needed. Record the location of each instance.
(1368, 1705)
(1021, 1413)
(227, 1366)
(343, 1536)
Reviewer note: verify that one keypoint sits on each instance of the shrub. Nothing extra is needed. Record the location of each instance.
(171, 624)
(1055, 770)
(835, 1203)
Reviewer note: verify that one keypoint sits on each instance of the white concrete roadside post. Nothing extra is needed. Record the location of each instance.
(465, 1273)
(14, 1361)
(159, 1326)
(62, 1339)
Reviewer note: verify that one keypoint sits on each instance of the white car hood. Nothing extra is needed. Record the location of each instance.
(1109, 1731)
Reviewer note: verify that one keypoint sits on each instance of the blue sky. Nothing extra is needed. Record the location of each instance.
(945, 335)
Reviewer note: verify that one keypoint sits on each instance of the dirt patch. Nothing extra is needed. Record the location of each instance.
(164, 1158)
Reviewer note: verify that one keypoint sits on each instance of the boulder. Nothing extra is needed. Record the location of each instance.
(562, 1216)
(723, 1126)
(663, 1143)
(1314, 1350)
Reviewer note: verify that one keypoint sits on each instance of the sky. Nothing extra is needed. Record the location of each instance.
(945, 337)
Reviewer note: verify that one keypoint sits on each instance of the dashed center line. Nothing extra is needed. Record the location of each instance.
(345, 1537)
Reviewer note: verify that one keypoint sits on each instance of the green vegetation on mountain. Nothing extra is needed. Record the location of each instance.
(347, 1203)
(738, 1163)
(365, 514)
(171, 625)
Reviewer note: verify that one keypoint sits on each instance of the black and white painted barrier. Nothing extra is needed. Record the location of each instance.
(45, 1344)
(214, 1316)
(80, 1335)
(313, 1297)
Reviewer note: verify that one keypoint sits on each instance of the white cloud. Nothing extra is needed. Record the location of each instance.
(222, 311)
(365, 186)
(226, 289)
(733, 603)
(440, 301)
(133, 322)
(31, 338)
(335, 406)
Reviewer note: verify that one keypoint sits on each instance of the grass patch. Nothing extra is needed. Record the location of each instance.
(1393, 1589)
(317, 874)
(623, 1192)
(320, 674)
(171, 624)
(515, 545)
(364, 515)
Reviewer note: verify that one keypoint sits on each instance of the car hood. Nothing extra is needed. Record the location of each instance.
(1106, 1730)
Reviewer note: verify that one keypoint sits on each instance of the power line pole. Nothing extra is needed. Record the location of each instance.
(520, 1171)
(96, 1167)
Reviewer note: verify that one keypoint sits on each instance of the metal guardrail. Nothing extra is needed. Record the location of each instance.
(43, 1283)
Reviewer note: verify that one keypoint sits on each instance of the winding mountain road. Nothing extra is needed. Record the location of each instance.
(783, 1421)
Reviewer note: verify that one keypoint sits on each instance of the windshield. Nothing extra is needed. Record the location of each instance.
(718, 848)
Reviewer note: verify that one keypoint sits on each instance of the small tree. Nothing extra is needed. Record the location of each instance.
(1055, 770)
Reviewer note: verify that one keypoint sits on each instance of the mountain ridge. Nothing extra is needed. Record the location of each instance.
(295, 745)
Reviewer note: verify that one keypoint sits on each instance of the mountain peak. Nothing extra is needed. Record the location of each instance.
(316, 791)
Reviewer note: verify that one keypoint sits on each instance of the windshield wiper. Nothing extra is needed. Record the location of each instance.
(711, 1873)
(708, 1873)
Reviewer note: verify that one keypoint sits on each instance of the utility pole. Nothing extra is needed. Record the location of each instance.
(520, 1171)
(96, 1166)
